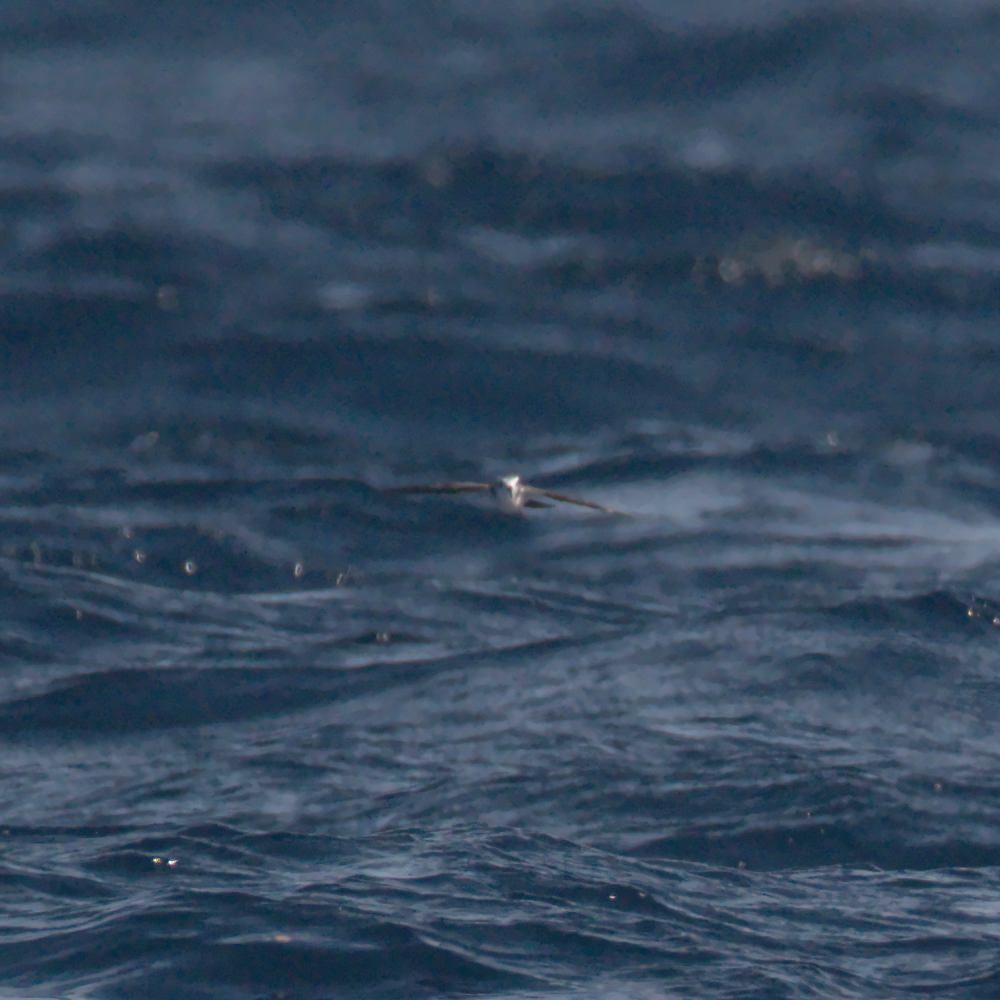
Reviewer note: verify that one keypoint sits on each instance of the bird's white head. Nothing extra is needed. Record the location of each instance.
(508, 493)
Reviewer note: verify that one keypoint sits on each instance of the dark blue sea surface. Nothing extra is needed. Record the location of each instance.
(268, 731)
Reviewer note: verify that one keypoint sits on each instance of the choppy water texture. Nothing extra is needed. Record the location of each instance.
(266, 731)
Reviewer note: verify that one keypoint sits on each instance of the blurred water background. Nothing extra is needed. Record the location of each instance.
(731, 267)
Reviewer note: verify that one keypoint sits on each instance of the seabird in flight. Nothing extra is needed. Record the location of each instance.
(510, 494)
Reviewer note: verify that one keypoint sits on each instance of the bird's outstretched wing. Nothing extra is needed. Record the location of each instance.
(553, 495)
(441, 488)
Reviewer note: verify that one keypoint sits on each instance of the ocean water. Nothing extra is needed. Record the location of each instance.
(267, 731)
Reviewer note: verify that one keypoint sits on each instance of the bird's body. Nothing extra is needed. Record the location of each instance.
(508, 492)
